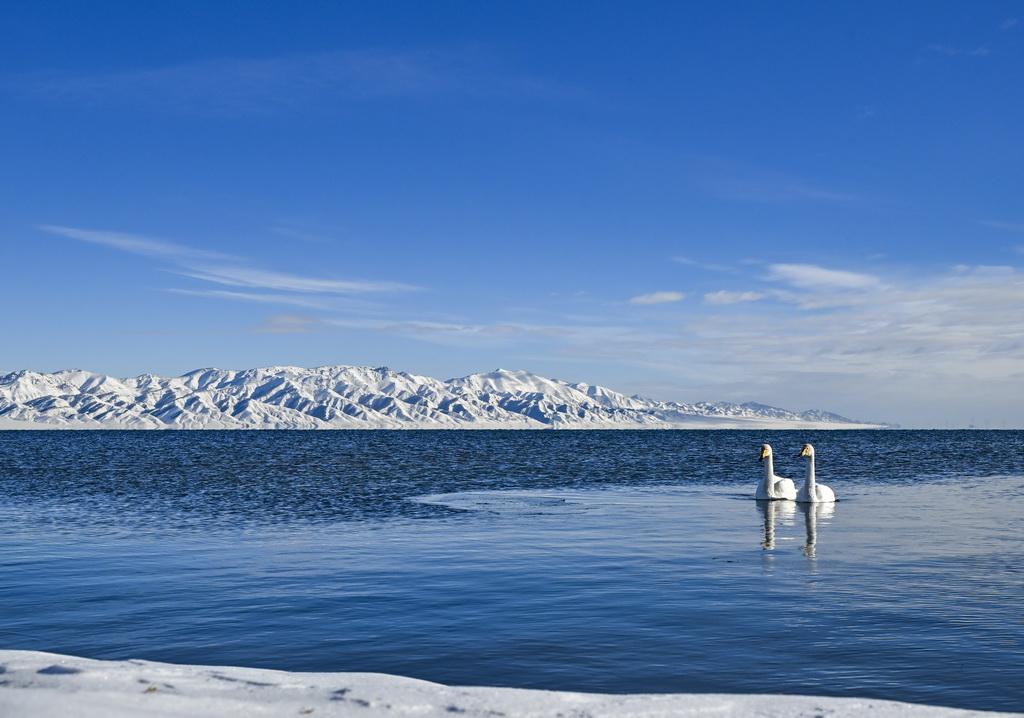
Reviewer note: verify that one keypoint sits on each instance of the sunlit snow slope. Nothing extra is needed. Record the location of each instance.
(347, 397)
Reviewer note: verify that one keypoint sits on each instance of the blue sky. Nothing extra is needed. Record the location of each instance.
(805, 204)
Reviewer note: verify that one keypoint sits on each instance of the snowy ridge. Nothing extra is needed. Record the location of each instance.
(348, 397)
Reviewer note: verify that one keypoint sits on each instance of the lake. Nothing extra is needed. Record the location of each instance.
(609, 561)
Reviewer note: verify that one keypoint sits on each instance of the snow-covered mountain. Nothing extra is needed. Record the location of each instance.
(348, 397)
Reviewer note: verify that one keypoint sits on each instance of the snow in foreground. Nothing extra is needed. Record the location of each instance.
(45, 684)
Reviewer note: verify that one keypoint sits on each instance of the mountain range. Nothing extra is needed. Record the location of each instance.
(349, 397)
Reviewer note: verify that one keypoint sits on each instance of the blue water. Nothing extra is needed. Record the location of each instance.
(594, 560)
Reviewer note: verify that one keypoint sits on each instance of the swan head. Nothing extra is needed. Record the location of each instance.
(808, 450)
(766, 451)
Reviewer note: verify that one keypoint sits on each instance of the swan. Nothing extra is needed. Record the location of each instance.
(773, 487)
(813, 492)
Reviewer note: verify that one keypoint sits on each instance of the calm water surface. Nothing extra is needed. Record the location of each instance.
(595, 560)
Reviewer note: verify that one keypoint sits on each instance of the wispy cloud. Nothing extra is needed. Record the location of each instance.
(137, 244)
(864, 112)
(260, 85)
(686, 261)
(1007, 226)
(289, 324)
(940, 324)
(809, 276)
(298, 301)
(1009, 23)
(915, 338)
(979, 51)
(263, 279)
(468, 335)
(227, 270)
(746, 183)
(725, 297)
(658, 298)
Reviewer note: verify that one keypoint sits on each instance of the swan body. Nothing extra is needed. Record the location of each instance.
(773, 487)
(812, 492)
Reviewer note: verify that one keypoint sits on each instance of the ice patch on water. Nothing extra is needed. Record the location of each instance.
(502, 502)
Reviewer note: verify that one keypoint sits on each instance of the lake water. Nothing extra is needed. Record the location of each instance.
(592, 560)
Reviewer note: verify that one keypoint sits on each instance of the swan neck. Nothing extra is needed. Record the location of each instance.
(769, 471)
(809, 482)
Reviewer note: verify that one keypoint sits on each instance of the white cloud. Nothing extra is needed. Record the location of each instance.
(984, 270)
(263, 279)
(809, 276)
(470, 336)
(965, 323)
(701, 265)
(199, 264)
(136, 244)
(1008, 23)
(658, 298)
(725, 297)
(903, 344)
(298, 301)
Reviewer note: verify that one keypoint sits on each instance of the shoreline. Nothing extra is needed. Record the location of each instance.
(34, 684)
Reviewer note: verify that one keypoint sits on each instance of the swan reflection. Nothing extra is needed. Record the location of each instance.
(772, 511)
(813, 512)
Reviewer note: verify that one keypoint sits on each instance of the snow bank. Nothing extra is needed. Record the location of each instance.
(34, 684)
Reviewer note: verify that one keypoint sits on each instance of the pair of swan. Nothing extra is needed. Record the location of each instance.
(775, 487)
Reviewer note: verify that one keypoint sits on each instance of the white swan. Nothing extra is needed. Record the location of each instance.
(773, 487)
(813, 492)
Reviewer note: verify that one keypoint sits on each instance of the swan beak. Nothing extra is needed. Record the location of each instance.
(764, 453)
(803, 452)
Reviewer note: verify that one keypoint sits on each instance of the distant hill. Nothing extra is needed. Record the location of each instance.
(348, 397)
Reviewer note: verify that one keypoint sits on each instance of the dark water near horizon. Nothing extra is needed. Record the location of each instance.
(610, 561)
